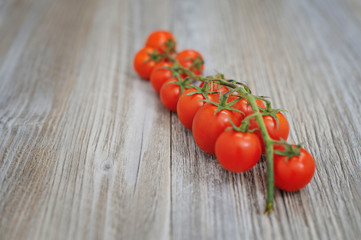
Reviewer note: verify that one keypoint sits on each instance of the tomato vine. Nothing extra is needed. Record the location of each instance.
(175, 72)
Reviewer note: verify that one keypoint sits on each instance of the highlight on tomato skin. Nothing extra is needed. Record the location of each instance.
(159, 40)
(142, 63)
(238, 151)
(294, 173)
(160, 75)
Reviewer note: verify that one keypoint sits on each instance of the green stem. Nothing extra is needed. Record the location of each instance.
(244, 126)
(204, 88)
(268, 142)
(279, 142)
(268, 105)
(269, 152)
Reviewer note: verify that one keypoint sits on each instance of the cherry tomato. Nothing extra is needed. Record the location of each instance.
(276, 133)
(169, 94)
(142, 64)
(295, 173)
(160, 75)
(159, 40)
(245, 107)
(188, 105)
(208, 125)
(192, 60)
(238, 151)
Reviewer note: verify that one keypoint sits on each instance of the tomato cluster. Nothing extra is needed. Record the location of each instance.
(222, 118)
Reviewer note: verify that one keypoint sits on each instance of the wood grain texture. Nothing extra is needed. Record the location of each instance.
(87, 151)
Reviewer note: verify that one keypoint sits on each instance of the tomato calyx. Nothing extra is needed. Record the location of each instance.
(269, 110)
(244, 125)
(155, 56)
(272, 113)
(175, 68)
(204, 91)
(170, 46)
(182, 83)
(222, 104)
(178, 69)
(197, 63)
(290, 150)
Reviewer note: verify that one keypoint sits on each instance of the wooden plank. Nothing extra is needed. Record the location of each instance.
(87, 151)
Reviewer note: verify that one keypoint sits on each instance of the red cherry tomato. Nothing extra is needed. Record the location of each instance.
(188, 105)
(160, 75)
(238, 151)
(169, 94)
(159, 40)
(142, 64)
(192, 60)
(208, 125)
(295, 173)
(276, 133)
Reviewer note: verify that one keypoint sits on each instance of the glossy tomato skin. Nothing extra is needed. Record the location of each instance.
(188, 106)
(169, 94)
(271, 125)
(245, 107)
(141, 64)
(160, 75)
(186, 58)
(295, 173)
(238, 151)
(208, 125)
(158, 39)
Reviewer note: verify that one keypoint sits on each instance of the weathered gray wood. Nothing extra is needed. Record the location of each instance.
(87, 151)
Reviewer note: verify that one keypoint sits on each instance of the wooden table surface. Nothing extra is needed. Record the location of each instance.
(87, 151)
